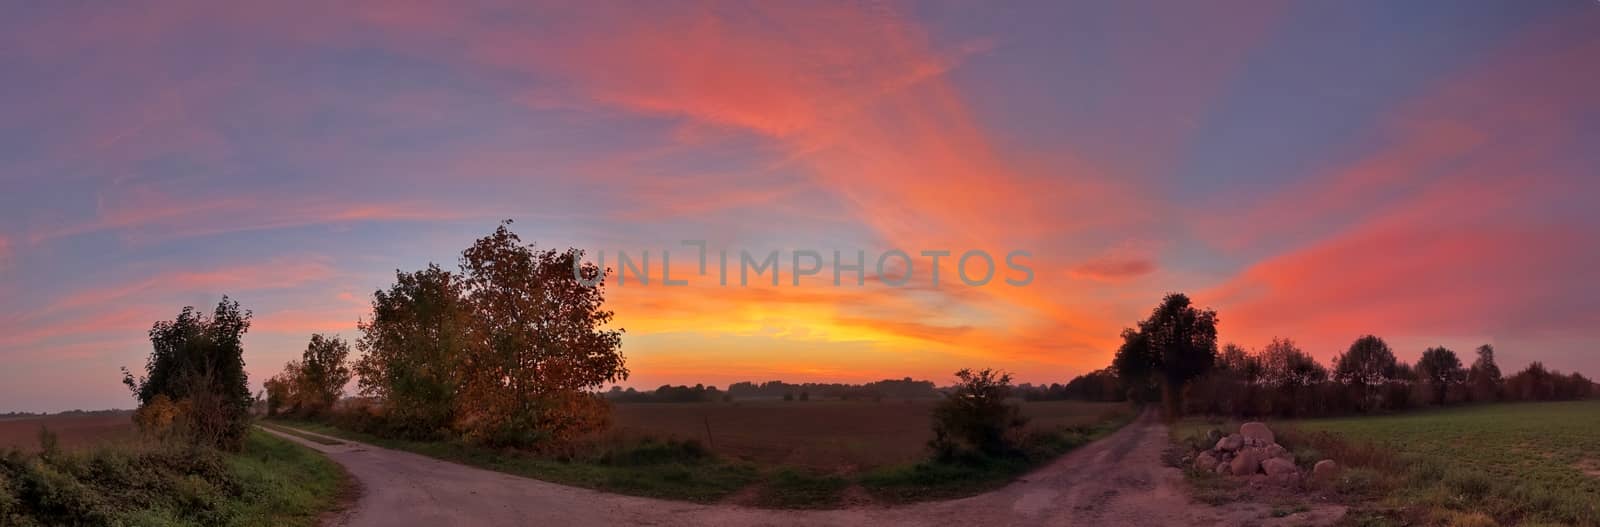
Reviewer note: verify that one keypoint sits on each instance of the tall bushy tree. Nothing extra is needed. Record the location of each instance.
(1367, 367)
(324, 372)
(542, 347)
(197, 364)
(1176, 344)
(413, 350)
(1288, 366)
(1440, 369)
(1484, 377)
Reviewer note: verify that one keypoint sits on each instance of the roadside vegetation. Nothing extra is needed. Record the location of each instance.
(268, 482)
(195, 459)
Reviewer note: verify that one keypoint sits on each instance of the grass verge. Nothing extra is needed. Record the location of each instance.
(271, 482)
(314, 438)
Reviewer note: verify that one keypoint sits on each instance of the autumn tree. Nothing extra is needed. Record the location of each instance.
(1440, 369)
(1367, 366)
(413, 351)
(197, 366)
(541, 346)
(281, 390)
(323, 373)
(1484, 377)
(1175, 345)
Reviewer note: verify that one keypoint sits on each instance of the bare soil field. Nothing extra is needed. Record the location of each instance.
(828, 435)
(72, 430)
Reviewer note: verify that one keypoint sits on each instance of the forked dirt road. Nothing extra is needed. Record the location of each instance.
(1119, 480)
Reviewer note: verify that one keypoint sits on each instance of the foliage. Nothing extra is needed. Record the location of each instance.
(942, 479)
(1368, 365)
(1484, 377)
(507, 352)
(1441, 370)
(541, 344)
(667, 393)
(1535, 383)
(975, 418)
(272, 482)
(1100, 386)
(197, 364)
(1175, 345)
(412, 350)
(315, 383)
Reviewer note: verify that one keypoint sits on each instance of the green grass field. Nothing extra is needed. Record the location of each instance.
(1527, 463)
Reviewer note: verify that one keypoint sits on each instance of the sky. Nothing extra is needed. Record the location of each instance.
(1425, 171)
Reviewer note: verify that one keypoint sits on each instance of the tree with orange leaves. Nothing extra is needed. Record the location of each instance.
(540, 344)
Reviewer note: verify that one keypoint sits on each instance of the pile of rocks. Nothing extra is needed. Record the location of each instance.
(1254, 450)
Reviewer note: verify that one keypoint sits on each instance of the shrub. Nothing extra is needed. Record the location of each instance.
(975, 417)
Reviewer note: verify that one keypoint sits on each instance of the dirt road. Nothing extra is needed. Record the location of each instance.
(1119, 480)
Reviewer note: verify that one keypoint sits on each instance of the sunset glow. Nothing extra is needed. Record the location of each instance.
(1423, 171)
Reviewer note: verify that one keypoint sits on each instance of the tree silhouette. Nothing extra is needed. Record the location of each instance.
(1484, 377)
(975, 417)
(197, 364)
(1175, 345)
(1367, 365)
(1441, 369)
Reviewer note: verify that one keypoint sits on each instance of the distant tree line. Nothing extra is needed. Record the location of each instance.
(1099, 386)
(1174, 353)
(905, 388)
(698, 393)
(1283, 380)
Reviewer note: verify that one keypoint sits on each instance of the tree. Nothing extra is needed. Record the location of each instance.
(281, 388)
(1368, 365)
(1441, 369)
(1235, 360)
(1286, 365)
(1175, 345)
(197, 364)
(975, 417)
(412, 351)
(323, 373)
(541, 346)
(1484, 377)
